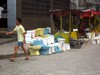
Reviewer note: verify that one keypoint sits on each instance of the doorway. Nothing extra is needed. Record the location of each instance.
(3, 19)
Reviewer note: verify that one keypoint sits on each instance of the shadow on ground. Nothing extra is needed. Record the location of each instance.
(9, 56)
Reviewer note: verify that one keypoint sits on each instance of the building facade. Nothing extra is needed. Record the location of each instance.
(83, 4)
(35, 13)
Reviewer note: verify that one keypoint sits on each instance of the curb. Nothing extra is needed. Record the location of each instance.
(8, 41)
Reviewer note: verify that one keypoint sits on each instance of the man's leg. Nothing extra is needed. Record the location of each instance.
(15, 53)
(26, 53)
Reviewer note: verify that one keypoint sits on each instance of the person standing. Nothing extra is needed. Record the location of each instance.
(21, 39)
(1, 9)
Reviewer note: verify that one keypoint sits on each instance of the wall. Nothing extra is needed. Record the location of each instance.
(35, 13)
(35, 22)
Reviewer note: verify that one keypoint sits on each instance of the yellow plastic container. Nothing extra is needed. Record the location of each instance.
(63, 35)
(74, 35)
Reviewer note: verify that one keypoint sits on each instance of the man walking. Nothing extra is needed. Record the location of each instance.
(21, 39)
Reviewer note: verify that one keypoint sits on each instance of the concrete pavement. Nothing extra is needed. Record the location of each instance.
(84, 61)
(7, 38)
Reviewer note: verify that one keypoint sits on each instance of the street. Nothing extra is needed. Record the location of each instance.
(84, 61)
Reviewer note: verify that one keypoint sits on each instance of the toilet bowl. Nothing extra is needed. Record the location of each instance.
(34, 50)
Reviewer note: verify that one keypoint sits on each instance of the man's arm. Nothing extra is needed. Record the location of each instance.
(11, 32)
(8, 33)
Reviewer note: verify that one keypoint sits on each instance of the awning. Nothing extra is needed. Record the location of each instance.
(89, 13)
(85, 15)
(62, 13)
(59, 12)
(95, 12)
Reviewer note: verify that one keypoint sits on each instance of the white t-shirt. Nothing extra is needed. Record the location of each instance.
(1, 9)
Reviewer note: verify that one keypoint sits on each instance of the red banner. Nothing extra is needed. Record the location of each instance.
(95, 12)
(85, 15)
(88, 14)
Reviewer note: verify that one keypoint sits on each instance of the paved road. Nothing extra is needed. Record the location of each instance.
(84, 61)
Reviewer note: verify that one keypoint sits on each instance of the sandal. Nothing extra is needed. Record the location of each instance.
(11, 60)
(26, 58)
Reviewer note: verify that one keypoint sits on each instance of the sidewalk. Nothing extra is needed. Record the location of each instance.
(7, 39)
(83, 61)
(7, 48)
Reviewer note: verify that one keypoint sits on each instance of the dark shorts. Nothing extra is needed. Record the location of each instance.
(19, 43)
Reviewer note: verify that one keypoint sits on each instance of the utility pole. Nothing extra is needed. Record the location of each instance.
(51, 16)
